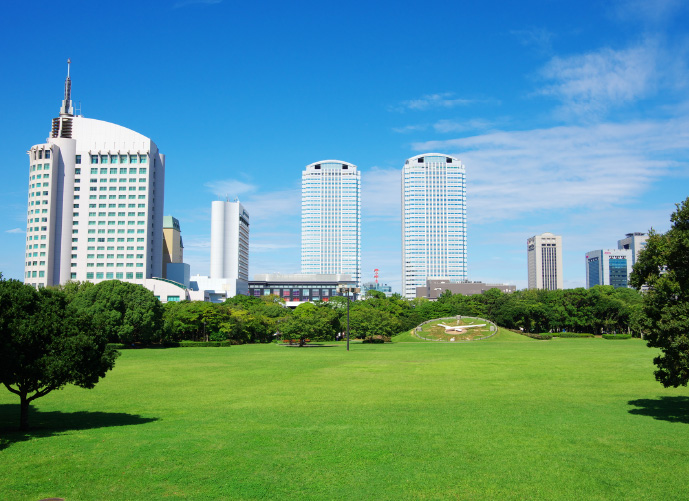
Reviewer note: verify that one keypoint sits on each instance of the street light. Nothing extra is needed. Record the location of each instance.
(348, 290)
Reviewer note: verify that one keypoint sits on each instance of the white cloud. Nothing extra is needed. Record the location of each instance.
(445, 126)
(656, 12)
(589, 84)
(229, 188)
(15, 230)
(410, 128)
(443, 100)
(510, 174)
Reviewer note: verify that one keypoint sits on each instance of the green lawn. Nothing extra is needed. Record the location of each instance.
(504, 418)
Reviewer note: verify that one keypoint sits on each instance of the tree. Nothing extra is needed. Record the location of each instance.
(125, 312)
(663, 266)
(46, 343)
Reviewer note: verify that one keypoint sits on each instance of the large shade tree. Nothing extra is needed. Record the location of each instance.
(46, 343)
(663, 267)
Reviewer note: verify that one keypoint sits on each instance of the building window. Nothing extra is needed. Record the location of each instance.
(171, 299)
(94, 159)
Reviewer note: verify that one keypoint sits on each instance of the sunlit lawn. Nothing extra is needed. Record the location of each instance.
(504, 418)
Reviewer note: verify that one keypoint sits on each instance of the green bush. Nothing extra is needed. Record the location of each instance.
(572, 334)
(204, 344)
(617, 336)
(376, 339)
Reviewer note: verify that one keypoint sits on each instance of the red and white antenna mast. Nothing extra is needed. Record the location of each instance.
(375, 274)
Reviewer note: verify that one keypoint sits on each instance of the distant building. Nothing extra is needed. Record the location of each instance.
(608, 267)
(635, 242)
(299, 288)
(229, 241)
(229, 269)
(434, 220)
(331, 219)
(435, 287)
(544, 256)
(95, 203)
(375, 286)
(173, 248)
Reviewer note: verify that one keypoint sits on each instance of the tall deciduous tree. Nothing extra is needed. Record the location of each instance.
(125, 312)
(664, 267)
(45, 344)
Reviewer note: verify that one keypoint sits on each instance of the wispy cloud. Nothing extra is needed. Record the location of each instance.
(443, 100)
(229, 187)
(511, 174)
(381, 194)
(590, 84)
(445, 126)
(15, 230)
(538, 38)
(410, 128)
(653, 13)
(185, 3)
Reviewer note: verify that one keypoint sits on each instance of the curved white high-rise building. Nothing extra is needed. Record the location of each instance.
(229, 241)
(95, 206)
(331, 219)
(434, 220)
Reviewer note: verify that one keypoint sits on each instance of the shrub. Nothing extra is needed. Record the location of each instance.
(204, 344)
(572, 334)
(617, 336)
(376, 339)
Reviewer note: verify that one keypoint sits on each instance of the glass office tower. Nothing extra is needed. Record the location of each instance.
(433, 220)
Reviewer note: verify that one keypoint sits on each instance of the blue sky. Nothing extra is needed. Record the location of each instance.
(571, 117)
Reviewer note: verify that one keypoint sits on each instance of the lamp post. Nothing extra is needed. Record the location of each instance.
(348, 290)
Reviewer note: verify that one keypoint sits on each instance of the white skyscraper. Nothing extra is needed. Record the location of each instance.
(635, 242)
(95, 206)
(229, 241)
(544, 256)
(434, 221)
(331, 219)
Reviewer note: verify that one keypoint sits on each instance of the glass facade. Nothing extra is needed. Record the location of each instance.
(433, 220)
(331, 219)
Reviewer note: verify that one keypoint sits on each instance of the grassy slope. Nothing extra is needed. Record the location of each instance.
(508, 417)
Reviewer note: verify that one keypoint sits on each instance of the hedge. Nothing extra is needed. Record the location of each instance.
(616, 336)
(572, 334)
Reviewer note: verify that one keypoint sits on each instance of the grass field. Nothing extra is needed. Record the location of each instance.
(504, 418)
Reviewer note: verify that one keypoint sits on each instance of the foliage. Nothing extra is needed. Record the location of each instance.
(616, 336)
(122, 311)
(572, 334)
(46, 343)
(663, 266)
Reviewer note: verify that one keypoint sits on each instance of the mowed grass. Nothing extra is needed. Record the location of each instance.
(505, 418)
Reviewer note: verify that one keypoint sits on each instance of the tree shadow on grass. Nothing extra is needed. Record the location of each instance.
(673, 409)
(48, 424)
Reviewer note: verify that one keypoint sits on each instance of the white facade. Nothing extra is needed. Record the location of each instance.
(331, 219)
(95, 205)
(544, 255)
(434, 220)
(229, 241)
(635, 242)
(608, 267)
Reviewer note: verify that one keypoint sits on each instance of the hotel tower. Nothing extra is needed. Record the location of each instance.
(434, 221)
(95, 205)
(331, 219)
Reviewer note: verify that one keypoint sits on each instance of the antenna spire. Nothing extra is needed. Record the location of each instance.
(67, 102)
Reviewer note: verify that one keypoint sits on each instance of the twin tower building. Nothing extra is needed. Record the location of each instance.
(95, 212)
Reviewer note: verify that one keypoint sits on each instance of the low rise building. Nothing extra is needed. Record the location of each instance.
(436, 286)
(299, 288)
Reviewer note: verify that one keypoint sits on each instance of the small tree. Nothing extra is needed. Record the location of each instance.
(663, 266)
(45, 344)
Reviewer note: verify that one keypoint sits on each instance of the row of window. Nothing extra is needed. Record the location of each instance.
(114, 159)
